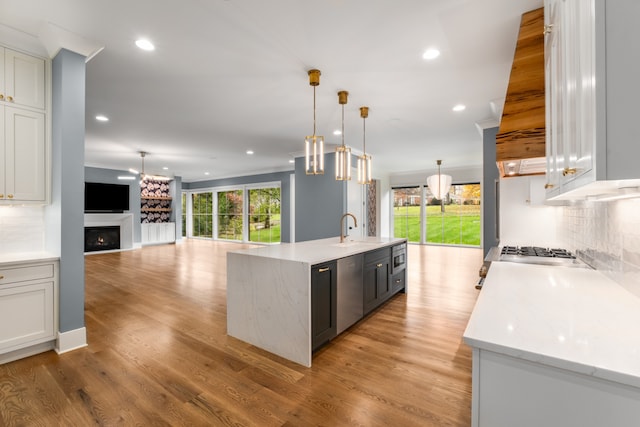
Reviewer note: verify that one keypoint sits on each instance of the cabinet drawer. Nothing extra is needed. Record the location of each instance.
(23, 274)
(378, 255)
(397, 281)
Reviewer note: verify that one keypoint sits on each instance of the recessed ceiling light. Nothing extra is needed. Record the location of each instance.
(102, 118)
(126, 177)
(165, 168)
(337, 132)
(431, 54)
(459, 107)
(206, 173)
(249, 152)
(291, 161)
(145, 44)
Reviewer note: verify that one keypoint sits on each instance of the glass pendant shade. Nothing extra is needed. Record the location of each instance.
(364, 161)
(314, 155)
(314, 144)
(343, 153)
(439, 184)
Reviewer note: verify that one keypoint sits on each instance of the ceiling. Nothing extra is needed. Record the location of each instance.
(229, 76)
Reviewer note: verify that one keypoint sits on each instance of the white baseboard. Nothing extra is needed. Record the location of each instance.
(26, 352)
(71, 340)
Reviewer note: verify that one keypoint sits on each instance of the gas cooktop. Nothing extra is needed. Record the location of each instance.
(539, 255)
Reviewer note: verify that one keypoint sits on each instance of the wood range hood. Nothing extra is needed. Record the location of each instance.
(520, 143)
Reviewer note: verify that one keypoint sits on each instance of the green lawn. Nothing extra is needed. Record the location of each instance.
(458, 225)
(265, 235)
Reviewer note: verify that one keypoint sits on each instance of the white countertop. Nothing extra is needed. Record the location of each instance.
(570, 318)
(26, 257)
(322, 250)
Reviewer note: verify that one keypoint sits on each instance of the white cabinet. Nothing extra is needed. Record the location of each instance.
(591, 69)
(157, 233)
(23, 142)
(28, 307)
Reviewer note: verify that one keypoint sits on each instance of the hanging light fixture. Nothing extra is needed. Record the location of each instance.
(364, 161)
(144, 176)
(314, 144)
(439, 184)
(343, 153)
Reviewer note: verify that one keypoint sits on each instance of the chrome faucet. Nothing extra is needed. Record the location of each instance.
(355, 224)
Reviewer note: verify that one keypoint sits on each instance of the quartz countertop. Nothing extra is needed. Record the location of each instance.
(26, 257)
(322, 250)
(570, 318)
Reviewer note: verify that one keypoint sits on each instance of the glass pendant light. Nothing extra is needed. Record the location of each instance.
(314, 144)
(364, 161)
(343, 153)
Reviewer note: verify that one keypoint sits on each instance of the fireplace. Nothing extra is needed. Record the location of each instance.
(102, 238)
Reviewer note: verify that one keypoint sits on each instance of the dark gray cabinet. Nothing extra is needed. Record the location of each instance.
(398, 281)
(323, 303)
(377, 286)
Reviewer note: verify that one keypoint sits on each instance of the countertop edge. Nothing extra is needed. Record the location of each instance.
(27, 259)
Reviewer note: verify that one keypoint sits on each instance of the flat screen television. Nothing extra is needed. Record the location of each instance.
(105, 198)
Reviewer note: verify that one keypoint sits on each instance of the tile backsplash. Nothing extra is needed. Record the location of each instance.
(607, 236)
(22, 229)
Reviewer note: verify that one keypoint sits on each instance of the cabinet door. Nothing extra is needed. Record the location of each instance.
(26, 315)
(25, 163)
(24, 79)
(323, 303)
(2, 86)
(397, 281)
(376, 284)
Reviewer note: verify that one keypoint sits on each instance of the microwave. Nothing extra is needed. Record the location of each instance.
(398, 258)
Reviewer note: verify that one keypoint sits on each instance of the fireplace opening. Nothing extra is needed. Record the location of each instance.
(101, 238)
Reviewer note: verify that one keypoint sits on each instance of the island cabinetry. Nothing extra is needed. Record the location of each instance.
(377, 286)
(323, 303)
(397, 281)
(28, 315)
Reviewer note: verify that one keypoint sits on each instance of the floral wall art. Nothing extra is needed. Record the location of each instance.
(155, 201)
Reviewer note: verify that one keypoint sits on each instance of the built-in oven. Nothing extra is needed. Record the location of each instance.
(398, 258)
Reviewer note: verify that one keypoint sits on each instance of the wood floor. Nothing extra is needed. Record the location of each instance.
(159, 355)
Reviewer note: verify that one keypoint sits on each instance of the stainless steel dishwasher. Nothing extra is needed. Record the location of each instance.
(349, 296)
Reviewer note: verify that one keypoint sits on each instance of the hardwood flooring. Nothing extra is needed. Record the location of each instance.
(159, 355)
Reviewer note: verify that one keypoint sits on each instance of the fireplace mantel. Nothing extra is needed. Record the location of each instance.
(123, 220)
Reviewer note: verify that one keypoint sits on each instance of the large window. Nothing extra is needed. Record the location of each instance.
(184, 214)
(406, 213)
(452, 221)
(456, 219)
(202, 214)
(230, 204)
(264, 215)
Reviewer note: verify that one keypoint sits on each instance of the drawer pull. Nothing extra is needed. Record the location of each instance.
(10, 196)
(322, 270)
(569, 171)
(1, 277)
(1, 97)
(398, 281)
(10, 98)
(547, 29)
(548, 186)
(379, 265)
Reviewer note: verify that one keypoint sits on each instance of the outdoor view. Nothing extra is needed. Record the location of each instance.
(230, 215)
(201, 214)
(264, 215)
(457, 222)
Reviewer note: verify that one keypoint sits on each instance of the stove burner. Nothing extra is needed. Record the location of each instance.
(535, 251)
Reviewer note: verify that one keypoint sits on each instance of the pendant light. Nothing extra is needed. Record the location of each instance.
(439, 184)
(364, 161)
(142, 175)
(314, 144)
(343, 153)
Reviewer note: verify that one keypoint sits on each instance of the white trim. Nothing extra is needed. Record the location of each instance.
(26, 352)
(124, 221)
(292, 208)
(71, 340)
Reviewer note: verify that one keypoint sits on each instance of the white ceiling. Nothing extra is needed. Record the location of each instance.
(231, 75)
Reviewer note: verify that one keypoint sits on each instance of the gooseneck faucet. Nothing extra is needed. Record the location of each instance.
(355, 224)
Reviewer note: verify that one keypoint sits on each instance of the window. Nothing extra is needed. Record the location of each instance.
(202, 214)
(457, 220)
(184, 215)
(264, 215)
(230, 215)
(406, 213)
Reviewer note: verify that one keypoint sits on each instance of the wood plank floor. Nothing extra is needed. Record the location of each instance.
(159, 355)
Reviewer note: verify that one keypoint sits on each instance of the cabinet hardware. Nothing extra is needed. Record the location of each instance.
(547, 186)
(1, 97)
(10, 98)
(322, 270)
(378, 265)
(569, 171)
(547, 29)
(1, 196)
(398, 280)
(1, 277)
(10, 196)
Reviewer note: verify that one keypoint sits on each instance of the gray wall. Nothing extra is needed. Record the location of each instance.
(110, 176)
(68, 107)
(490, 174)
(285, 193)
(320, 202)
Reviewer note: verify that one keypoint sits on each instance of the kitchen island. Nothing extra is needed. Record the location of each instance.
(269, 290)
(554, 346)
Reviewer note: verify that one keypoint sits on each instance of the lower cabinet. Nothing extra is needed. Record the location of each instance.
(157, 233)
(28, 305)
(377, 286)
(398, 281)
(323, 303)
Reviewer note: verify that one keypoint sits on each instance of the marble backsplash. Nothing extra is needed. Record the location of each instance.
(607, 237)
(22, 229)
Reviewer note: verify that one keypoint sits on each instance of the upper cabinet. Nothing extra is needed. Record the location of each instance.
(23, 143)
(591, 69)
